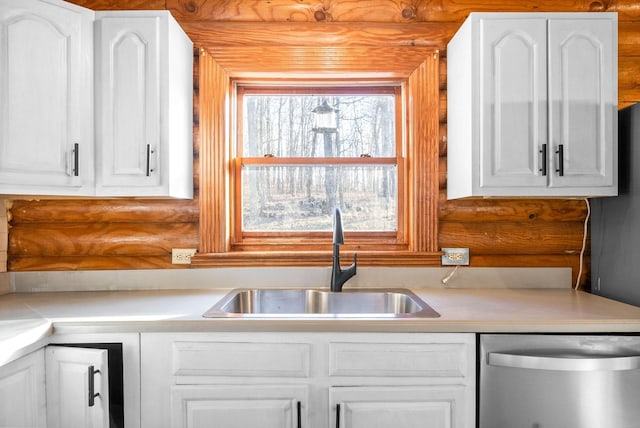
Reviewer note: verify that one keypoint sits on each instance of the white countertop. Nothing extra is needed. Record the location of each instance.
(27, 318)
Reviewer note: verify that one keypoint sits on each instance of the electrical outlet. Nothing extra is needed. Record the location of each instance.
(182, 256)
(455, 256)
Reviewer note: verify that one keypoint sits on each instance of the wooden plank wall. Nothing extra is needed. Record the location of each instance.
(129, 233)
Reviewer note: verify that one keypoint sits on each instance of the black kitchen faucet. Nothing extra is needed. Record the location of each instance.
(339, 276)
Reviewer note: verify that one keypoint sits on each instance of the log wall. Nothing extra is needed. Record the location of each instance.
(4, 237)
(130, 233)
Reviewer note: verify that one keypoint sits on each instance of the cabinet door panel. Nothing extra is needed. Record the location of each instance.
(583, 104)
(68, 387)
(144, 97)
(46, 68)
(513, 102)
(129, 100)
(22, 393)
(232, 406)
(399, 407)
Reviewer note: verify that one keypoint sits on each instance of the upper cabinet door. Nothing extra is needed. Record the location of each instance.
(144, 90)
(584, 101)
(129, 87)
(513, 101)
(46, 98)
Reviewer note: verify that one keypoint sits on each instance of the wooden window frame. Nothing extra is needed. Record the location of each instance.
(242, 240)
(418, 70)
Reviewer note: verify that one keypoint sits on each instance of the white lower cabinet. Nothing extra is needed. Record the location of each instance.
(77, 387)
(50, 388)
(22, 392)
(319, 380)
(124, 374)
(68, 386)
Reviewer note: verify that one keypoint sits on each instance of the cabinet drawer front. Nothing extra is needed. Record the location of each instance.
(399, 359)
(241, 359)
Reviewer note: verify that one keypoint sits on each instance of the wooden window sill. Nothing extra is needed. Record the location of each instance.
(314, 258)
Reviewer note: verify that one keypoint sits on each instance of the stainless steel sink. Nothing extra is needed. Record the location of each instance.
(274, 303)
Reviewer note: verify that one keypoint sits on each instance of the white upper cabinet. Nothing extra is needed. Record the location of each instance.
(532, 105)
(139, 71)
(46, 98)
(144, 123)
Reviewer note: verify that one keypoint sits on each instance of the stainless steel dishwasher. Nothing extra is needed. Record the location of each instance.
(552, 381)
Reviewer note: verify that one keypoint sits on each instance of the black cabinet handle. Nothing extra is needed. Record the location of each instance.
(337, 415)
(92, 393)
(299, 415)
(148, 159)
(76, 160)
(543, 156)
(560, 153)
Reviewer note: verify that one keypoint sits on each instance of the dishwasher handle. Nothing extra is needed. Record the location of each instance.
(564, 361)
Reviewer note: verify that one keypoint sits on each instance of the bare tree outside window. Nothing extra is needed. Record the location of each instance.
(293, 174)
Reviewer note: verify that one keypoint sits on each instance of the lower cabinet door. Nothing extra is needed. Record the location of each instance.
(244, 406)
(22, 393)
(77, 387)
(397, 406)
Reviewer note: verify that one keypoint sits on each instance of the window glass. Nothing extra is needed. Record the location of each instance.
(304, 154)
(285, 126)
(299, 198)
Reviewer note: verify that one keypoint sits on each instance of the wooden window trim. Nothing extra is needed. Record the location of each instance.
(422, 128)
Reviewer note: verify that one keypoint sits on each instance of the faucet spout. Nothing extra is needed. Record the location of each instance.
(338, 275)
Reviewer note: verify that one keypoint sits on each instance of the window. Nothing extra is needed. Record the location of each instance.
(292, 169)
(414, 72)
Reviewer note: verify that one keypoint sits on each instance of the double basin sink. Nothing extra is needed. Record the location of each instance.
(309, 303)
